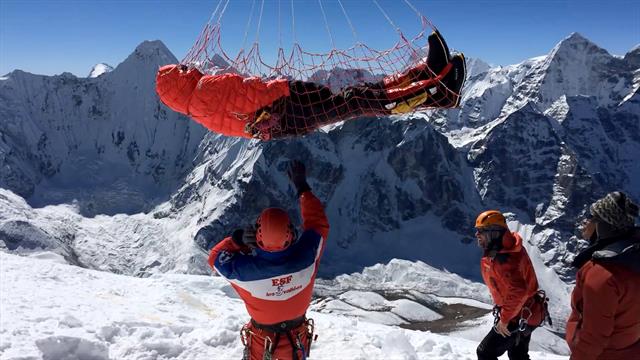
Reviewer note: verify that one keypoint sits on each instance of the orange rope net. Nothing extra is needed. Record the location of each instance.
(341, 84)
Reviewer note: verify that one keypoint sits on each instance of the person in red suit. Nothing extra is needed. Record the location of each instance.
(250, 107)
(605, 304)
(273, 271)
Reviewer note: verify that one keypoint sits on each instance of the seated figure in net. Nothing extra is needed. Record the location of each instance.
(251, 107)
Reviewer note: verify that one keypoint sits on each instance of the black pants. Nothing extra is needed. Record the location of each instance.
(311, 105)
(516, 345)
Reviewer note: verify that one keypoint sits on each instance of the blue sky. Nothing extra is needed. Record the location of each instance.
(53, 36)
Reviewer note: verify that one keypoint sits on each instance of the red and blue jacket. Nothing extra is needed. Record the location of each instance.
(276, 287)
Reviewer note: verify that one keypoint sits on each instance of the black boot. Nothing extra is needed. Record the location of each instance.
(455, 79)
(438, 56)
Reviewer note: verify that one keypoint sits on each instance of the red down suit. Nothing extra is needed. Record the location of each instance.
(223, 103)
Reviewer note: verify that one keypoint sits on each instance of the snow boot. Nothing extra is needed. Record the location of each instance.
(436, 61)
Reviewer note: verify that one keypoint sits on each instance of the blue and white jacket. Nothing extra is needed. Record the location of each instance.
(276, 286)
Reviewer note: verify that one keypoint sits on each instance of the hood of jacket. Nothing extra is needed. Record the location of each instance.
(624, 252)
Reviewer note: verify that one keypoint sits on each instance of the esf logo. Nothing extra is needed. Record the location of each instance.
(281, 281)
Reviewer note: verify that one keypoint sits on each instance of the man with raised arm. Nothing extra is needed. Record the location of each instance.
(273, 271)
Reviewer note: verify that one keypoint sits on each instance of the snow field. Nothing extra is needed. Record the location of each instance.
(51, 310)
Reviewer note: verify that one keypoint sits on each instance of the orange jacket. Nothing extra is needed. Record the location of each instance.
(605, 318)
(510, 278)
(222, 103)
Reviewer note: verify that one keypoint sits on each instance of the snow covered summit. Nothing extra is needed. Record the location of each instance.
(99, 69)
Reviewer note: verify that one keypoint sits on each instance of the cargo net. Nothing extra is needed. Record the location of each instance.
(341, 84)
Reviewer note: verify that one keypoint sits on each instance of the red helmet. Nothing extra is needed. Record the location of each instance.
(274, 231)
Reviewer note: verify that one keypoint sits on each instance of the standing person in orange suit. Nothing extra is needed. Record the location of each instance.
(507, 271)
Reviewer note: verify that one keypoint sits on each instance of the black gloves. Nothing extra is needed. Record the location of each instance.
(298, 176)
(245, 237)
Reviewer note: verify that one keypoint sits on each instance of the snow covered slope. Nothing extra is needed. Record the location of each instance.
(57, 311)
(408, 294)
(106, 142)
(135, 244)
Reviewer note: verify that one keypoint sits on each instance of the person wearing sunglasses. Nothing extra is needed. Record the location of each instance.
(507, 270)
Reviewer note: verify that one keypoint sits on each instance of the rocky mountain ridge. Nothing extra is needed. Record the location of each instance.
(539, 140)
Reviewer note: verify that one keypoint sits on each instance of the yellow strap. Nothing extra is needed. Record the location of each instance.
(265, 116)
(409, 105)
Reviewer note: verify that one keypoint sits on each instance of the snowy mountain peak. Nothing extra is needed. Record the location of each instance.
(576, 37)
(133, 149)
(21, 75)
(635, 49)
(216, 65)
(633, 57)
(338, 78)
(476, 66)
(152, 47)
(67, 75)
(146, 58)
(219, 61)
(575, 66)
(15, 74)
(99, 69)
(576, 46)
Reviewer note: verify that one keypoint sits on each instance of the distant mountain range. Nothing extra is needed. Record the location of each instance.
(102, 172)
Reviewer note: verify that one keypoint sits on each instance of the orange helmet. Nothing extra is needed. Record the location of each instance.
(274, 231)
(491, 218)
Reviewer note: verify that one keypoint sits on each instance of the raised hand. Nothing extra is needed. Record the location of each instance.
(297, 173)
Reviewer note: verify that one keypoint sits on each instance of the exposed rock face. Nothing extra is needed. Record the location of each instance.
(374, 176)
